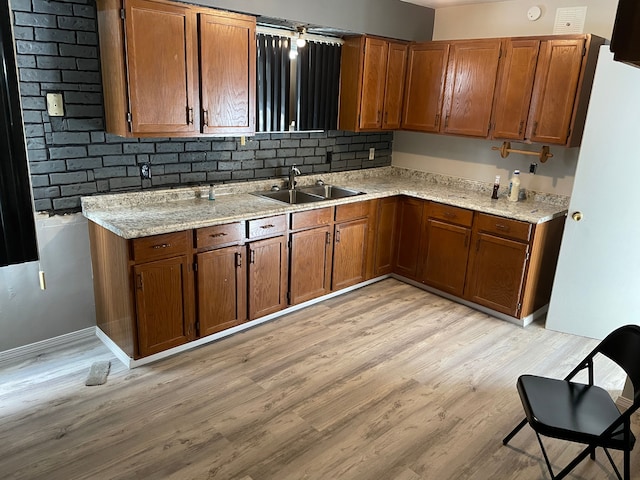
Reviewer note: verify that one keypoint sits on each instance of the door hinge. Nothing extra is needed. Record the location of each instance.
(122, 14)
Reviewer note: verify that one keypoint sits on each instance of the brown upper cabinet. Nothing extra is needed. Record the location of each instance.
(155, 86)
(471, 81)
(372, 75)
(424, 90)
(513, 91)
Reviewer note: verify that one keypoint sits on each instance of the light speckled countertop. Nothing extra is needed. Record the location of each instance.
(151, 212)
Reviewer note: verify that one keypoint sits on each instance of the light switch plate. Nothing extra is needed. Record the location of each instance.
(55, 106)
(372, 153)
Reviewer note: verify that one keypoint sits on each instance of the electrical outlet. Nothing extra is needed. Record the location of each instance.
(145, 171)
(55, 107)
(533, 167)
(372, 153)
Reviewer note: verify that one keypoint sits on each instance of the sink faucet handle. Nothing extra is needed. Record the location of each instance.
(320, 182)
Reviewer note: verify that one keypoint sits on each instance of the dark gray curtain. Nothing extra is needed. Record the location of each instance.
(273, 84)
(318, 86)
(17, 226)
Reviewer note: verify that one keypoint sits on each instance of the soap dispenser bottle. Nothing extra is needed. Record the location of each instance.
(514, 187)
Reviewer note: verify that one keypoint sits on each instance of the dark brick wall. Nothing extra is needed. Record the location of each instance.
(72, 156)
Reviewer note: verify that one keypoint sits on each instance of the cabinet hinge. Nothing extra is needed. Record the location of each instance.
(289, 244)
(122, 16)
(584, 51)
(197, 326)
(195, 266)
(129, 117)
(518, 307)
(526, 257)
(288, 297)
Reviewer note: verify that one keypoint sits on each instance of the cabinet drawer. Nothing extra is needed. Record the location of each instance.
(161, 246)
(503, 227)
(266, 227)
(219, 235)
(447, 213)
(311, 218)
(352, 211)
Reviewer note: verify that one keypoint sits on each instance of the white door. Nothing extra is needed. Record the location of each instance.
(597, 283)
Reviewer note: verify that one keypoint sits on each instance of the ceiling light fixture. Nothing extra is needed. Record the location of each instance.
(301, 41)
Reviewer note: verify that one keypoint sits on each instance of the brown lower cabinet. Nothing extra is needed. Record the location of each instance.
(503, 264)
(148, 298)
(267, 273)
(162, 302)
(222, 289)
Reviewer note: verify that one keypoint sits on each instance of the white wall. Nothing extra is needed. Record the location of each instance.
(28, 314)
(473, 159)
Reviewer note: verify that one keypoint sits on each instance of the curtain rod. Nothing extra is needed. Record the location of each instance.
(293, 34)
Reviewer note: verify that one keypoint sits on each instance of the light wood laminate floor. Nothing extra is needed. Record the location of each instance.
(387, 382)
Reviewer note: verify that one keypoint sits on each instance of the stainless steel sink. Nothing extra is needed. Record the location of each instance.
(331, 191)
(291, 196)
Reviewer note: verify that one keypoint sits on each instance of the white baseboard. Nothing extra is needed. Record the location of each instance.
(37, 348)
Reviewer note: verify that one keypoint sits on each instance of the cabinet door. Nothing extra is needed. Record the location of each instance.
(496, 273)
(471, 81)
(228, 74)
(349, 253)
(554, 90)
(373, 83)
(222, 287)
(267, 276)
(409, 231)
(394, 89)
(385, 244)
(513, 92)
(163, 301)
(310, 274)
(424, 91)
(162, 67)
(445, 264)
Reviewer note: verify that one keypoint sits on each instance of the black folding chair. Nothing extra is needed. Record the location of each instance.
(585, 413)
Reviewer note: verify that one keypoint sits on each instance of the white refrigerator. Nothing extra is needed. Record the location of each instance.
(597, 283)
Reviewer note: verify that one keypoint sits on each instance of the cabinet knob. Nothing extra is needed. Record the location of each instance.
(577, 216)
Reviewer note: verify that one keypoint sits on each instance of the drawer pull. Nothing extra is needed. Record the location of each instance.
(267, 226)
(218, 235)
(450, 215)
(238, 260)
(162, 245)
(504, 228)
(252, 256)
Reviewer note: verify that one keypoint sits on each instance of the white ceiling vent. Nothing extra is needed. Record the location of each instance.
(570, 20)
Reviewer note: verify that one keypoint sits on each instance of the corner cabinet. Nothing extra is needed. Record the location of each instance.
(161, 59)
(372, 72)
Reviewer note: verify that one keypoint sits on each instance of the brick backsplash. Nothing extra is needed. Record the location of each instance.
(72, 156)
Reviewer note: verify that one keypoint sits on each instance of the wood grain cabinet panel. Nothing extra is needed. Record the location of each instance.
(267, 273)
(385, 241)
(164, 58)
(445, 260)
(410, 236)
(555, 90)
(496, 273)
(424, 90)
(514, 88)
(372, 72)
(163, 302)
(349, 253)
(222, 289)
(162, 67)
(394, 86)
(228, 85)
(470, 85)
(310, 264)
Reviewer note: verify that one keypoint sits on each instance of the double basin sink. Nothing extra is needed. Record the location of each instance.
(316, 193)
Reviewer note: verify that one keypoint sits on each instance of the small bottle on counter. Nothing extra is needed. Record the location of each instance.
(212, 194)
(496, 187)
(514, 187)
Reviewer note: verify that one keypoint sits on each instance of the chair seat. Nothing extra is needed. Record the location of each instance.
(570, 411)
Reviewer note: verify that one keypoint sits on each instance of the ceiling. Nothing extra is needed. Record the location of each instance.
(448, 3)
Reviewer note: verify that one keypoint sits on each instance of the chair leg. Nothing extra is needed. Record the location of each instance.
(514, 431)
(627, 464)
(593, 453)
(613, 464)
